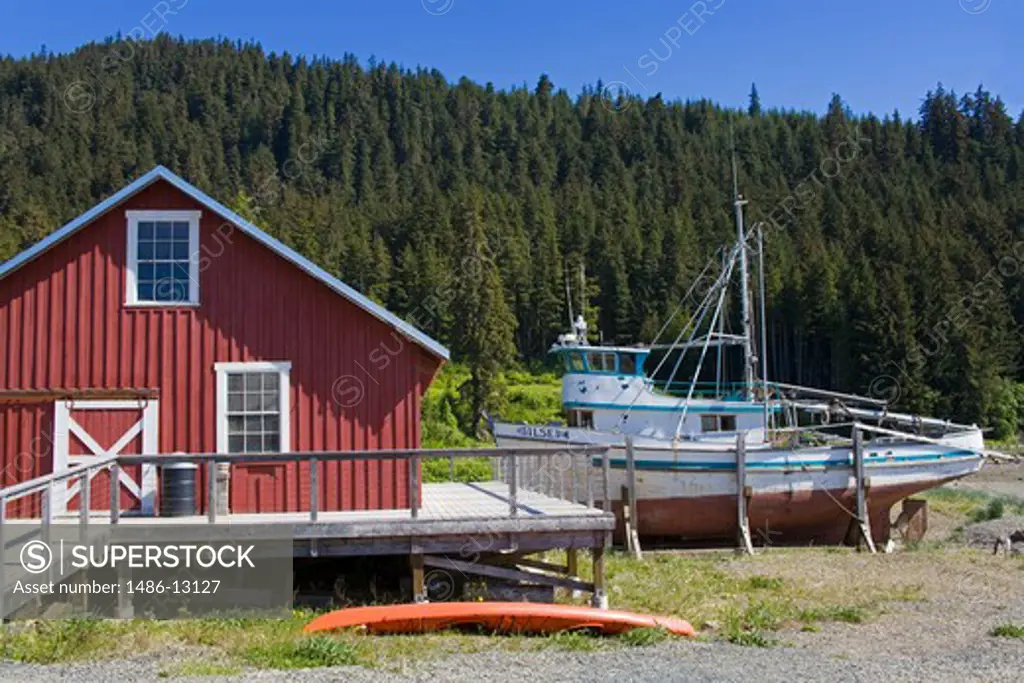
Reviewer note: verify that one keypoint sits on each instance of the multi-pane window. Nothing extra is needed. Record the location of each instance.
(254, 412)
(162, 257)
(163, 261)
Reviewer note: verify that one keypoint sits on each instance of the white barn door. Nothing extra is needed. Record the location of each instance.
(84, 430)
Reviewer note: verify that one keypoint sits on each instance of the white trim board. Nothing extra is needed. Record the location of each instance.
(64, 426)
(286, 252)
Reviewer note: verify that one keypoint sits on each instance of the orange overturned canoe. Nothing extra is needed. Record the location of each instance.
(508, 617)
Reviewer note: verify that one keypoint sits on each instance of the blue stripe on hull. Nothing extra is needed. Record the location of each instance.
(663, 465)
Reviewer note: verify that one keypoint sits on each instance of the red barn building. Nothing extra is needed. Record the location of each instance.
(160, 321)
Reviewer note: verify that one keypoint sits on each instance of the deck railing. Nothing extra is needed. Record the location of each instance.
(557, 472)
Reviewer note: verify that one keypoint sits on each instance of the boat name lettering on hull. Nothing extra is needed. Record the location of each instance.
(543, 432)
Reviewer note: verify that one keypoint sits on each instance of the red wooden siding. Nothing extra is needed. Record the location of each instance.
(26, 450)
(63, 324)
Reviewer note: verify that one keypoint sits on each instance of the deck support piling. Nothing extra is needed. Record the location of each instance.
(600, 597)
(863, 520)
(572, 568)
(419, 584)
(742, 517)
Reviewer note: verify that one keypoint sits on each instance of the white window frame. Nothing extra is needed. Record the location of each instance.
(131, 293)
(283, 370)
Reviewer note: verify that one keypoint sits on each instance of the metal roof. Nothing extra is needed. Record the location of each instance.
(286, 252)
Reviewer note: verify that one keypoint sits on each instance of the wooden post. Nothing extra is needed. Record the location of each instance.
(588, 466)
(419, 585)
(513, 486)
(223, 477)
(574, 462)
(742, 518)
(600, 597)
(863, 520)
(606, 493)
(211, 491)
(414, 488)
(47, 511)
(629, 499)
(84, 503)
(606, 475)
(314, 489)
(115, 493)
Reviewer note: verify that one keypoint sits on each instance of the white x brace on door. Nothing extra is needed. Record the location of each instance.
(143, 418)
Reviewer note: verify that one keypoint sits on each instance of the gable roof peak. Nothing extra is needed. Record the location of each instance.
(282, 250)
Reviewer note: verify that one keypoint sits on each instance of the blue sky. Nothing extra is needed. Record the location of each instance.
(879, 55)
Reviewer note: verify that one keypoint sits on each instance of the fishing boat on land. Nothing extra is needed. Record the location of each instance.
(797, 443)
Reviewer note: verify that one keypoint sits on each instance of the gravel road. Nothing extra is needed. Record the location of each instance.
(997, 660)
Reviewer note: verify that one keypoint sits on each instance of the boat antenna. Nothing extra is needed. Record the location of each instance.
(738, 204)
(583, 289)
(568, 298)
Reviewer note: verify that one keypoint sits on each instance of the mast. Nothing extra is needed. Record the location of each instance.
(764, 324)
(748, 357)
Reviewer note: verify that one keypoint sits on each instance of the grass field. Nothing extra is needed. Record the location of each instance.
(744, 600)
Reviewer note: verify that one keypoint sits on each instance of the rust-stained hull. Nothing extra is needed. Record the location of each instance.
(776, 518)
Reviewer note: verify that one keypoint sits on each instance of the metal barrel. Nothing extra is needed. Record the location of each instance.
(178, 489)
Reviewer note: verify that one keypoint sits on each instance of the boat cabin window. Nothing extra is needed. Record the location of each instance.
(627, 364)
(601, 361)
(581, 418)
(718, 423)
(574, 362)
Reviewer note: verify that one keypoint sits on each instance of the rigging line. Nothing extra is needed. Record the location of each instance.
(723, 284)
(702, 309)
(703, 353)
(686, 297)
(686, 328)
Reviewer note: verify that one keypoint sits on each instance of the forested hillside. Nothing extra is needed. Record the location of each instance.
(895, 249)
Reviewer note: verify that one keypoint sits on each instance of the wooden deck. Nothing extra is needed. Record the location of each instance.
(451, 515)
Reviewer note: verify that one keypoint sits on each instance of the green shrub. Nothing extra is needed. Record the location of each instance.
(1008, 631)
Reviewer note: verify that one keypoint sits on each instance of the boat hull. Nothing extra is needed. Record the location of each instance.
(688, 491)
(817, 517)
